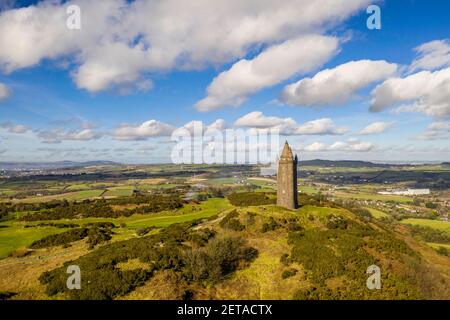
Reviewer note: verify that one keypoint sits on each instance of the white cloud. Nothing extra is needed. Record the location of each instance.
(324, 126)
(315, 147)
(425, 92)
(288, 126)
(436, 131)
(376, 127)
(14, 128)
(5, 92)
(275, 64)
(219, 124)
(257, 119)
(340, 146)
(151, 128)
(83, 135)
(432, 55)
(337, 85)
(57, 135)
(122, 40)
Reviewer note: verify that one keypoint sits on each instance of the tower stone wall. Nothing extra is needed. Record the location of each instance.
(287, 195)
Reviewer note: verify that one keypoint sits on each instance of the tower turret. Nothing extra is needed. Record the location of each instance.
(287, 179)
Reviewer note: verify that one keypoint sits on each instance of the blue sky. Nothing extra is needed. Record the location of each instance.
(67, 93)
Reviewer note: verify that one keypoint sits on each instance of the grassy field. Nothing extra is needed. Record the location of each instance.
(71, 196)
(369, 196)
(437, 245)
(377, 213)
(79, 186)
(222, 181)
(435, 224)
(15, 236)
(124, 191)
(307, 189)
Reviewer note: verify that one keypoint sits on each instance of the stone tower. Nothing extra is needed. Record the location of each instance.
(287, 179)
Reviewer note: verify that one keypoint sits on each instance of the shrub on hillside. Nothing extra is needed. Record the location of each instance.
(428, 234)
(60, 238)
(244, 199)
(217, 259)
(166, 250)
(271, 225)
(231, 221)
(288, 273)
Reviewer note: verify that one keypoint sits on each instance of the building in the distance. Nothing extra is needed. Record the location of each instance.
(407, 192)
(287, 179)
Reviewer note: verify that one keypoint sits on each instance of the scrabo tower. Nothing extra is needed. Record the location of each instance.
(287, 179)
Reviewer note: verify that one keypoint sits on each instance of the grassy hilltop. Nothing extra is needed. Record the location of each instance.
(238, 247)
(214, 232)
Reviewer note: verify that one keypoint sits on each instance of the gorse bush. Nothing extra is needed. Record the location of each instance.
(102, 208)
(343, 251)
(231, 221)
(244, 199)
(337, 222)
(288, 273)
(271, 225)
(95, 232)
(217, 259)
(52, 224)
(428, 234)
(61, 238)
(166, 250)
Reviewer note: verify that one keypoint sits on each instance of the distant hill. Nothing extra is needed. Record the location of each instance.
(51, 165)
(343, 163)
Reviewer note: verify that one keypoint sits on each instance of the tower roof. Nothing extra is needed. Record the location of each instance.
(287, 151)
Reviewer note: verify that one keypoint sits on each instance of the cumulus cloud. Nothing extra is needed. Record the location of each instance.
(376, 127)
(289, 126)
(257, 119)
(337, 85)
(57, 135)
(277, 63)
(5, 92)
(195, 127)
(425, 92)
(315, 147)
(14, 128)
(351, 145)
(436, 131)
(324, 126)
(122, 40)
(432, 55)
(151, 128)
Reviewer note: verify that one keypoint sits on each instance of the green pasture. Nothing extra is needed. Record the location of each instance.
(377, 213)
(370, 196)
(14, 235)
(435, 224)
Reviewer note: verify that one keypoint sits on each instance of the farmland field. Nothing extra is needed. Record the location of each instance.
(377, 213)
(13, 235)
(142, 205)
(372, 196)
(435, 224)
(71, 196)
